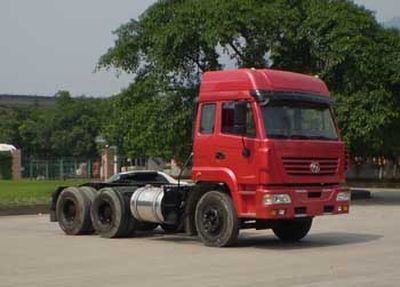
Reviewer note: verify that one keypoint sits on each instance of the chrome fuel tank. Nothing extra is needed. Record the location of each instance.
(146, 204)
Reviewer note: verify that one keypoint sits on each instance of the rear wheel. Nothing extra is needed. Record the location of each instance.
(89, 193)
(292, 230)
(110, 214)
(216, 220)
(73, 211)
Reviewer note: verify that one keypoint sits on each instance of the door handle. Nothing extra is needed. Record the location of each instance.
(219, 155)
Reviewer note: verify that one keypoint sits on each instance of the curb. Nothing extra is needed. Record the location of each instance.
(357, 194)
(24, 210)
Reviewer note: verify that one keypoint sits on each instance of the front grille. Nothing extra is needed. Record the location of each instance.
(314, 194)
(310, 166)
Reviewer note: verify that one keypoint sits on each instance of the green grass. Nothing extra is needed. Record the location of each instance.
(30, 192)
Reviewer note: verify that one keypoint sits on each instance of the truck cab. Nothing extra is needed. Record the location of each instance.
(270, 137)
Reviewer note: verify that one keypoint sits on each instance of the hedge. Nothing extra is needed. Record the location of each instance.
(5, 165)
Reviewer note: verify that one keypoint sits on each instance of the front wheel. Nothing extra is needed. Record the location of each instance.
(216, 220)
(292, 230)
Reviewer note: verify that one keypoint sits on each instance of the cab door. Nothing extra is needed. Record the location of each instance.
(204, 137)
(235, 146)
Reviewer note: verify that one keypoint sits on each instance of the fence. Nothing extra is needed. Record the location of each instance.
(374, 169)
(60, 168)
(371, 169)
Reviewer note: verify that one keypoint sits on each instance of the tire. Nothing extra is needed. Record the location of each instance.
(292, 230)
(73, 212)
(216, 220)
(89, 193)
(170, 228)
(147, 226)
(110, 214)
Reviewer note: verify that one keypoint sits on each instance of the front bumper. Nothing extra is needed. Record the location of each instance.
(305, 202)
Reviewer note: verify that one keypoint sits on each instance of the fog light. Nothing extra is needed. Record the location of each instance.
(343, 196)
(282, 212)
(269, 199)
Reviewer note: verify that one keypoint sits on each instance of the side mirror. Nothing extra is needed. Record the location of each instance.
(240, 118)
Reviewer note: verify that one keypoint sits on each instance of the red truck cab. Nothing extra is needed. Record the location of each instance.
(267, 155)
(270, 137)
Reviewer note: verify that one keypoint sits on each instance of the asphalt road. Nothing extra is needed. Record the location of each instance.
(360, 249)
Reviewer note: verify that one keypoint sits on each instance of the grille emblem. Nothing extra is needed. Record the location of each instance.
(315, 167)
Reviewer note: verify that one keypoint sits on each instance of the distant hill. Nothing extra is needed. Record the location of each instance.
(23, 101)
(394, 23)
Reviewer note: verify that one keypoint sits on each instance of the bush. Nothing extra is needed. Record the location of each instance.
(5, 165)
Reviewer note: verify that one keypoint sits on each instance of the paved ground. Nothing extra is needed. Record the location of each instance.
(361, 249)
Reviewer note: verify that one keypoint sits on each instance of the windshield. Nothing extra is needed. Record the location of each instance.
(297, 120)
(113, 178)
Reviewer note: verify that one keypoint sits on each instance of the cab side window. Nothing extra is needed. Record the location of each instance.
(207, 122)
(228, 120)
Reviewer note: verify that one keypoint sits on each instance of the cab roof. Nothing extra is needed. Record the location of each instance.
(263, 79)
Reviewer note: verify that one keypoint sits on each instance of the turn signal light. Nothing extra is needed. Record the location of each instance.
(279, 212)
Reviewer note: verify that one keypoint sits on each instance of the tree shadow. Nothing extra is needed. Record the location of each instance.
(313, 240)
(247, 240)
(159, 234)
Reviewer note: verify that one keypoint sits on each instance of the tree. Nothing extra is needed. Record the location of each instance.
(151, 121)
(66, 130)
(9, 122)
(173, 42)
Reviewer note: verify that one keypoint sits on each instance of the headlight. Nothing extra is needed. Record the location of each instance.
(343, 196)
(269, 199)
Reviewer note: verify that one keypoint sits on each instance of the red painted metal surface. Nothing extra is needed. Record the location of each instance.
(274, 165)
(248, 79)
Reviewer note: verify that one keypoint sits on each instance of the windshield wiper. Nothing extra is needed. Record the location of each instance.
(297, 136)
(322, 138)
(278, 136)
(310, 137)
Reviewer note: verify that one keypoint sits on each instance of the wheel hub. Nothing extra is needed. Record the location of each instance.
(211, 220)
(69, 211)
(105, 213)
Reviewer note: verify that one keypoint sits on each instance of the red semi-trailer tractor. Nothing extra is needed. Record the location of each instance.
(267, 154)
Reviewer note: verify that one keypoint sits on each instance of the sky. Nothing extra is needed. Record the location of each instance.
(52, 45)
